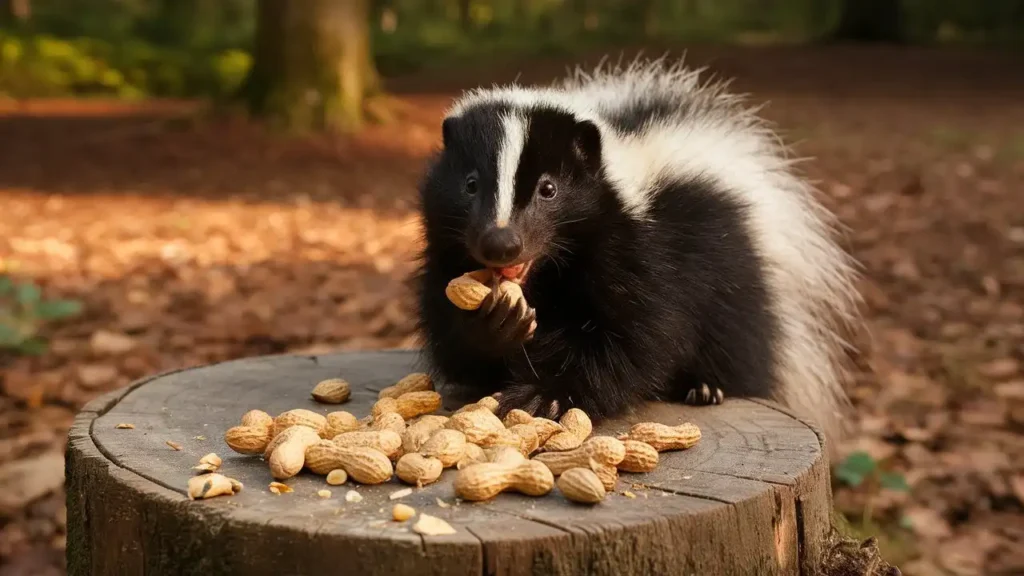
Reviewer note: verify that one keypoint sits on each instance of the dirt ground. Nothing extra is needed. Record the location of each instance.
(192, 241)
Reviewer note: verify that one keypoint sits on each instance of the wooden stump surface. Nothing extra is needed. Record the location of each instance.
(752, 497)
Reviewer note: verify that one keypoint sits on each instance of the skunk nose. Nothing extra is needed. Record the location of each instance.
(500, 246)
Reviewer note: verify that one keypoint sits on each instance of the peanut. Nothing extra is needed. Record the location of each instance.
(257, 418)
(486, 403)
(338, 423)
(545, 429)
(528, 440)
(331, 391)
(640, 457)
(609, 475)
(389, 421)
(335, 477)
(210, 485)
(247, 439)
(299, 417)
(308, 435)
(324, 493)
(386, 441)
(421, 430)
(402, 512)
(417, 469)
(408, 405)
(487, 480)
(577, 429)
(448, 446)
(663, 437)
(516, 416)
(287, 459)
(604, 450)
(363, 464)
(473, 455)
(481, 427)
(415, 382)
(581, 485)
(469, 290)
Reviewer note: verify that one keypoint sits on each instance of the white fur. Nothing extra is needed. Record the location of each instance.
(810, 279)
(514, 131)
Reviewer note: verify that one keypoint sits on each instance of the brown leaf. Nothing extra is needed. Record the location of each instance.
(93, 376)
(999, 369)
(104, 342)
(927, 522)
(27, 480)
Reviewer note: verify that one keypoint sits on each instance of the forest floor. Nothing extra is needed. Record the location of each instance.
(192, 240)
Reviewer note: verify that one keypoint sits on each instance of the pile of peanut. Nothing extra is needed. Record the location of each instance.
(403, 437)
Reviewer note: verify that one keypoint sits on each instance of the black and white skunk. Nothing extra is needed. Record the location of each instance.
(665, 247)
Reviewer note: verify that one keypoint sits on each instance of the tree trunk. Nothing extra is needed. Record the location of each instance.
(312, 65)
(870, 21)
(465, 18)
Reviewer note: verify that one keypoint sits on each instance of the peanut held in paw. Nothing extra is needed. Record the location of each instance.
(469, 290)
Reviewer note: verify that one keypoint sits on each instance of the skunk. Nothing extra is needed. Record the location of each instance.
(665, 246)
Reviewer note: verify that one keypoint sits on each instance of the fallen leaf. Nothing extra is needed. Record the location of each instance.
(104, 342)
(1017, 485)
(25, 481)
(927, 523)
(999, 369)
(96, 375)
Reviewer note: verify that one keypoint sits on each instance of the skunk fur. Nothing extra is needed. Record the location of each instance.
(674, 253)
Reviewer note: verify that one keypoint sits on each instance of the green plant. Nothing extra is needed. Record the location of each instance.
(861, 471)
(23, 311)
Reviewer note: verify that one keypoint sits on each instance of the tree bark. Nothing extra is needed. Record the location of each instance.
(465, 18)
(312, 65)
(870, 21)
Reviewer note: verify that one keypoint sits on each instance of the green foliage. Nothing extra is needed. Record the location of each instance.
(190, 48)
(860, 469)
(856, 468)
(47, 66)
(23, 311)
(862, 472)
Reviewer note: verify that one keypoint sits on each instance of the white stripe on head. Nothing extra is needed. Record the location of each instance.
(514, 131)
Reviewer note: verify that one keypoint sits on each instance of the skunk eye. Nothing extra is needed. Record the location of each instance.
(547, 190)
(471, 185)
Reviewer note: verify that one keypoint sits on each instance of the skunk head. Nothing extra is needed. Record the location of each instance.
(509, 180)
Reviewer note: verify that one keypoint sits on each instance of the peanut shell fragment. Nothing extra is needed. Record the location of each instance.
(210, 485)
(432, 526)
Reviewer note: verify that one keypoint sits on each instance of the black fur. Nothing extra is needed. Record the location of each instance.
(626, 310)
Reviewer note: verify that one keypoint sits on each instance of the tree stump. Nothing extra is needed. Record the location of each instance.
(752, 497)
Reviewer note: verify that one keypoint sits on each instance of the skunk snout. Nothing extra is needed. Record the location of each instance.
(500, 246)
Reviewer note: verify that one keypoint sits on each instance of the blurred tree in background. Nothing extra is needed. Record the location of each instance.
(308, 64)
(312, 66)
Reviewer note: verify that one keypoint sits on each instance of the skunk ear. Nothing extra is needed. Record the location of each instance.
(448, 130)
(586, 145)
